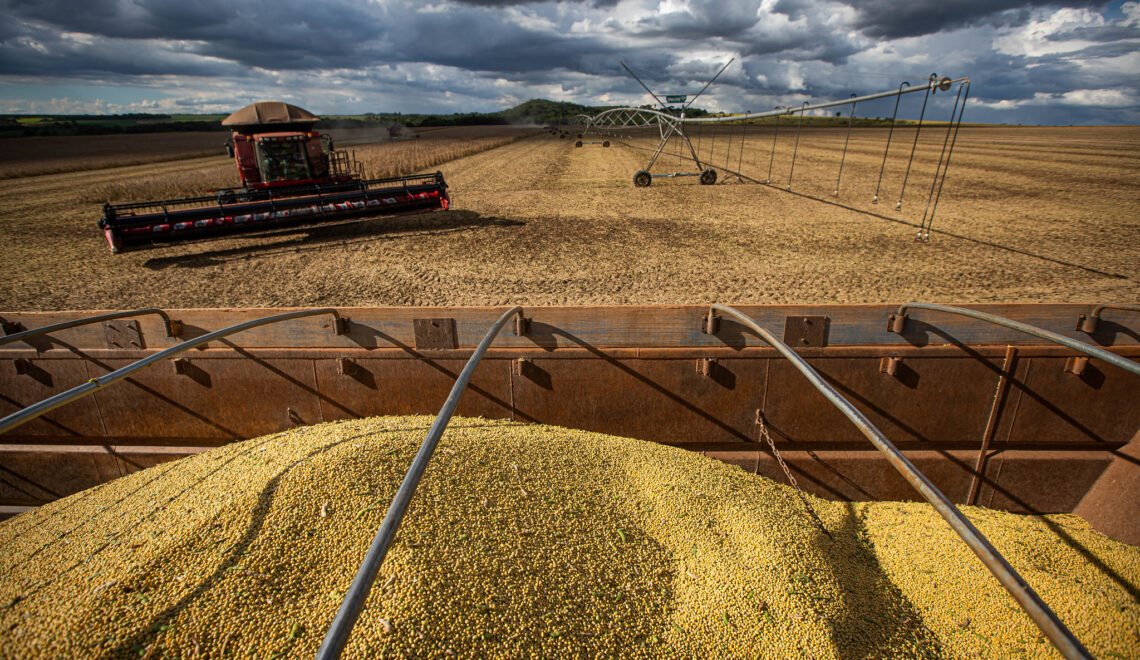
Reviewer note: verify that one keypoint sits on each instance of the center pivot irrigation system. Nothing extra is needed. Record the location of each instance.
(705, 158)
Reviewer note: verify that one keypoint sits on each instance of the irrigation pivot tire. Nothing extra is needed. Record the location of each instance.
(708, 177)
(642, 179)
(578, 143)
(606, 144)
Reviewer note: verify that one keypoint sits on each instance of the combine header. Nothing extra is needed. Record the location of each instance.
(290, 174)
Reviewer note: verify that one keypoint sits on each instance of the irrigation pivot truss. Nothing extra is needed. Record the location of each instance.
(691, 142)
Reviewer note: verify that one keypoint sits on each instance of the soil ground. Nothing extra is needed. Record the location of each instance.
(1027, 214)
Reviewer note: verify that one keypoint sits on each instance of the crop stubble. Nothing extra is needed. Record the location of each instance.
(1028, 214)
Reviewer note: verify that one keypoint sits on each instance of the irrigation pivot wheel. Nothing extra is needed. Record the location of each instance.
(642, 179)
(708, 177)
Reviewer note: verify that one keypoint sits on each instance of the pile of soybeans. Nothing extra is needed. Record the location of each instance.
(528, 540)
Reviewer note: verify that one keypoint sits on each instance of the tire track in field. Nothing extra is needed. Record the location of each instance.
(520, 165)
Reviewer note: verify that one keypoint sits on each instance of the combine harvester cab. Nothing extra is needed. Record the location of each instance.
(290, 175)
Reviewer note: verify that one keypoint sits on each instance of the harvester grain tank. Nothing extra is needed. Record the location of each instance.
(290, 174)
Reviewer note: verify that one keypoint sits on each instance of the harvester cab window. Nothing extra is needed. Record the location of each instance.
(282, 161)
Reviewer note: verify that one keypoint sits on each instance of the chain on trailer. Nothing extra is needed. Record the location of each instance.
(763, 434)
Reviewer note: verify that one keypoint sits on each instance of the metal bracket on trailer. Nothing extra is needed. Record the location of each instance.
(806, 331)
(436, 334)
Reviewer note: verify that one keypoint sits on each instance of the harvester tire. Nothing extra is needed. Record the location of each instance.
(708, 177)
(642, 179)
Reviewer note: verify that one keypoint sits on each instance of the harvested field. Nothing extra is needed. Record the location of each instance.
(33, 156)
(1028, 214)
(528, 540)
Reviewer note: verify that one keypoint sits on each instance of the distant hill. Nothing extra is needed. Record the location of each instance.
(543, 111)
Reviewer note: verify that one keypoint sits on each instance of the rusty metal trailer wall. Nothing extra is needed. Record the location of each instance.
(1043, 436)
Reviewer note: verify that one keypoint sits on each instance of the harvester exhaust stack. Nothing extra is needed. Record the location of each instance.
(290, 175)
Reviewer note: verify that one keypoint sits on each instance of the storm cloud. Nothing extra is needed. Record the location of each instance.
(1030, 60)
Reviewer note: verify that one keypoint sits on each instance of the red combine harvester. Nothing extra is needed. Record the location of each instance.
(290, 175)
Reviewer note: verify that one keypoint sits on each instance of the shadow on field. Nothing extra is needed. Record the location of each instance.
(963, 237)
(330, 236)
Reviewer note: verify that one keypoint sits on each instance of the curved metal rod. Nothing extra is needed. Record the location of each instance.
(898, 323)
(930, 85)
(353, 603)
(949, 155)
(1100, 308)
(846, 141)
(1088, 323)
(1045, 619)
(922, 228)
(796, 148)
(95, 384)
(775, 136)
(173, 328)
(626, 116)
(890, 133)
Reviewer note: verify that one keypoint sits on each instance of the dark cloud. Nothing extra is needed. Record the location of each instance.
(515, 3)
(703, 19)
(1101, 33)
(914, 18)
(480, 54)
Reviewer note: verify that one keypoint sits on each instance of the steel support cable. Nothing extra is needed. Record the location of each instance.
(887, 151)
(338, 633)
(95, 384)
(898, 324)
(930, 86)
(846, 141)
(938, 167)
(173, 328)
(946, 167)
(796, 148)
(1046, 620)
